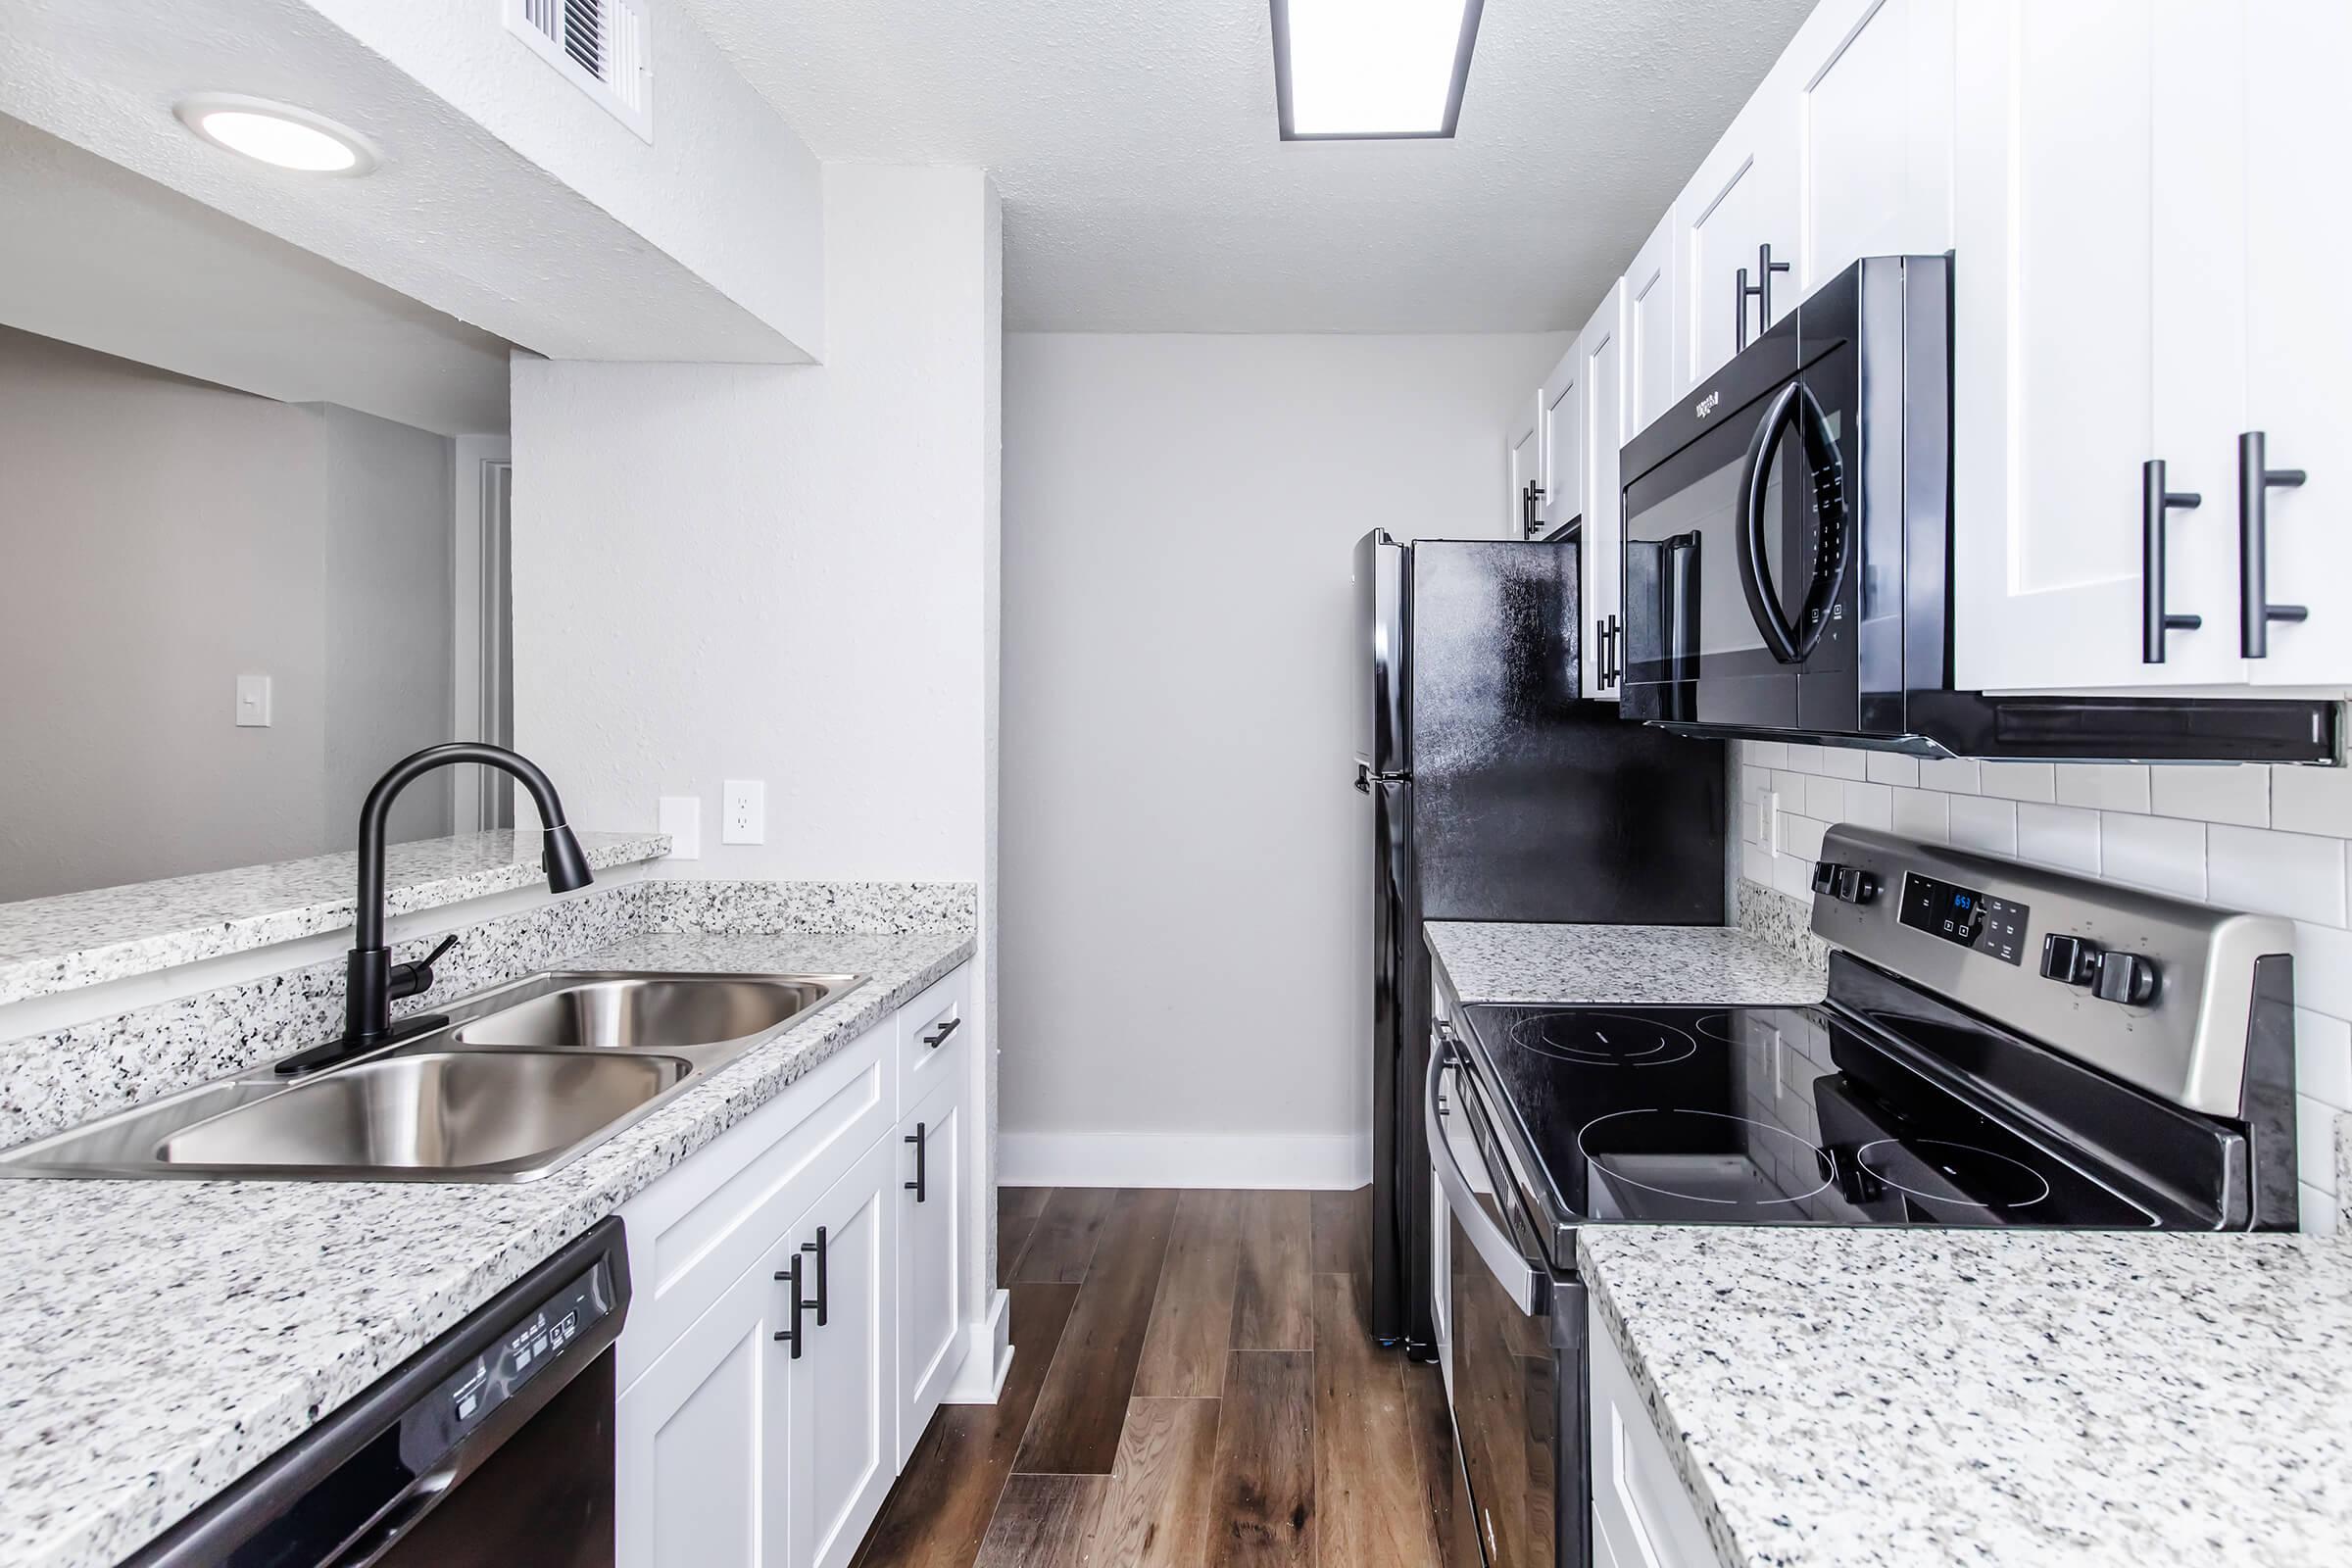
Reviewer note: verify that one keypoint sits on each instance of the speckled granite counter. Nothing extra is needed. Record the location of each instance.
(1865, 1398)
(1627, 965)
(82, 939)
(164, 1337)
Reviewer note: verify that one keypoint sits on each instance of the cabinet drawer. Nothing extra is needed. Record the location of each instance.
(934, 1032)
(694, 1231)
(1642, 1517)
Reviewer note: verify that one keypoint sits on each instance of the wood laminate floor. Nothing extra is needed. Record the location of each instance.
(1194, 1385)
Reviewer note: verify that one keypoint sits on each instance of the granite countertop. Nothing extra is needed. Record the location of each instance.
(83, 939)
(1624, 966)
(1885, 1399)
(164, 1337)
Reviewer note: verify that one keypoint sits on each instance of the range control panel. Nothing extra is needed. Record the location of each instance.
(1965, 915)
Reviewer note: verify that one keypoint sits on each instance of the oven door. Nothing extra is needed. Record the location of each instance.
(1514, 1342)
(1742, 555)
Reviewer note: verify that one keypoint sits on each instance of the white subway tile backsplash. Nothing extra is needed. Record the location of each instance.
(1920, 815)
(2315, 1143)
(1843, 761)
(1956, 775)
(2323, 1058)
(1792, 787)
(2017, 781)
(1793, 876)
(2293, 874)
(2103, 786)
(2153, 852)
(1752, 822)
(1765, 754)
(1870, 805)
(2311, 800)
(1805, 758)
(2324, 968)
(1753, 783)
(2063, 836)
(1824, 797)
(1756, 863)
(1978, 823)
(2238, 794)
(1892, 767)
(2317, 1210)
(1800, 836)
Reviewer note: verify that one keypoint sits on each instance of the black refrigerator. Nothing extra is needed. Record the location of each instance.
(1495, 793)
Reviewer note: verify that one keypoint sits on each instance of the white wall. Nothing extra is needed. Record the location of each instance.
(1185, 880)
(162, 537)
(2273, 840)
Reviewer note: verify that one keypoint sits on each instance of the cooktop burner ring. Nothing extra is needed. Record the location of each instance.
(1717, 1026)
(2039, 1185)
(1822, 1162)
(1673, 1044)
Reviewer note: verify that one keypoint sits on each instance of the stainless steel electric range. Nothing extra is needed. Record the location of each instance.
(2000, 1046)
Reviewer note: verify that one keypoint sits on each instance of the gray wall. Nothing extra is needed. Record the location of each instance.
(161, 536)
(1186, 877)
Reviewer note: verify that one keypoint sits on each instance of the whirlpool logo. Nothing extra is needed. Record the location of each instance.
(1706, 405)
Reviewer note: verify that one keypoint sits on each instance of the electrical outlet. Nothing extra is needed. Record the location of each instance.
(743, 811)
(683, 825)
(1772, 819)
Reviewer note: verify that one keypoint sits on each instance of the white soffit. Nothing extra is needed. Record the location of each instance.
(95, 255)
(1146, 187)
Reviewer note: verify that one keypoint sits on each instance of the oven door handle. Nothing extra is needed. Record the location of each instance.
(1793, 406)
(1526, 1284)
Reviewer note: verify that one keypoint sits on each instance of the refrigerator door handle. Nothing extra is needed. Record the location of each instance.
(1519, 1279)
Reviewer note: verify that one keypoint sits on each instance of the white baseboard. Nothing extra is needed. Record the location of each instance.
(988, 1358)
(1338, 1162)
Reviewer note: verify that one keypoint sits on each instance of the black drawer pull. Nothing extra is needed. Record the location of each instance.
(791, 1276)
(917, 1186)
(936, 1040)
(1760, 291)
(2155, 504)
(2255, 481)
(818, 1247)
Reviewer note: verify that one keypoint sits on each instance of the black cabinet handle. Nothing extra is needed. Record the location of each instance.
(2255, 480)
(791, 1276)
(916, 1186)
(818, 1247)
(1528, 498)
(1601, 653)
(1616, 650)
(2155, 502)
(935, 1041)
(1760, 291)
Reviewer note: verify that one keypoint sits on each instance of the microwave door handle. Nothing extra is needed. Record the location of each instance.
(1518, 1278)
(1791, 408)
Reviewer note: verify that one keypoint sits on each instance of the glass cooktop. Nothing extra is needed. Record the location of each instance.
(1774, 1116)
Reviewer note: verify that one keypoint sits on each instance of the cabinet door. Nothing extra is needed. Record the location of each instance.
(1560, 429)
(843, 1386)
(2299, 324)
(1874, 83)
(931, 1260)
(1599, 347)
(1652, 358)
(1743, 197)
(703, 1438)
(1642, 1516)
(2093, 333)
(1526, 467)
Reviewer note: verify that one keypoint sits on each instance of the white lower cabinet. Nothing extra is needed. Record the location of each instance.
(760, 1426)
(931, 1260)
(1642, 1517)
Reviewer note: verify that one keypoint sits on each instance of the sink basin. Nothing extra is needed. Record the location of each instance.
(437, 1111)
(666, 1012)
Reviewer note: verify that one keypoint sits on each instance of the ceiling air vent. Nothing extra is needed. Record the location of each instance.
(599, 44)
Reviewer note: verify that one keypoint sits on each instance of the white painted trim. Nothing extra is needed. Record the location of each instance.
(1334, 1163)
(469, 456)
(987, 1360)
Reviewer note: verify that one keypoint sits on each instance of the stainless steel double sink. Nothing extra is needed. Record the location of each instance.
(518, 1081)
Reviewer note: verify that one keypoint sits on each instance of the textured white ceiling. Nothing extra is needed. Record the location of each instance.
(1146, 189)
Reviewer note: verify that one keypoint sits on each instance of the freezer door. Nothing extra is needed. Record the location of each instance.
(1381, 713)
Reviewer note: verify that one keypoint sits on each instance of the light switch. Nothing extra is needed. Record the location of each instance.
(743, 813)
(682, 824)
(253, 701)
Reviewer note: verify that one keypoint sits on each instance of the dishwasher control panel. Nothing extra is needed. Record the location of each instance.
(530, 1343)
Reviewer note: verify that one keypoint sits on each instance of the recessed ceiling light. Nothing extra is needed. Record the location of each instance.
(1360, 69)
(278, 135)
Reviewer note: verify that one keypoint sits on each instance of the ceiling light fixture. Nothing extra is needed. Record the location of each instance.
(278, 135)
(1365, 69)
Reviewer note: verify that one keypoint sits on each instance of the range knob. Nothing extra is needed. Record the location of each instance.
(1848, 884)
(2070, 959)
(2123, 977)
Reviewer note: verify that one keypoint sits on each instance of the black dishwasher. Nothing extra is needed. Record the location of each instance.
(491, 1445)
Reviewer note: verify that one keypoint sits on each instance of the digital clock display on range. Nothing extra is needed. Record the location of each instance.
(1965, 916)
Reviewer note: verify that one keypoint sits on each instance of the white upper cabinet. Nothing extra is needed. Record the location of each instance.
(1525, 466)
(1736, 219)
(2298, 325)
(1871, 85)
(1651, 359)
(1599, 351)
(1560, 433)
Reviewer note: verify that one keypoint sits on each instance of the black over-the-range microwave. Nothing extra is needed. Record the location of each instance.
(1787, 557)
